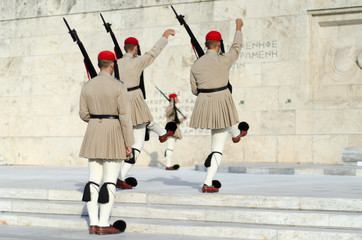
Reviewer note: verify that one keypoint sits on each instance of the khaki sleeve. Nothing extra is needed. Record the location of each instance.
(234, 51)
(124, 112)
(150, 56)
(169, 112)
(193, 83)
(83, 107)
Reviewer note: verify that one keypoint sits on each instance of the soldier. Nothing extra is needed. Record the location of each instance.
(104, 105)
(131, 66)
(171, 115)
(214, 107)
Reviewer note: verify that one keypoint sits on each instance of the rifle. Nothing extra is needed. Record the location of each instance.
(199, 52)
(91, 72)
(195, 44)
(178, 110)
(117, 49)
(119, 53)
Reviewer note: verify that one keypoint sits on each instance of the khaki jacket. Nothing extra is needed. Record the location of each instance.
(215, 110)
(130, 69)
(105, 138)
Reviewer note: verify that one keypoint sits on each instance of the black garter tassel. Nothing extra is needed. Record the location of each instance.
(208, 159)
(104, 194)
(86, 193)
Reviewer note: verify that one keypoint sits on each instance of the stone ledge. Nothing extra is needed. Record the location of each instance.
(288, 169)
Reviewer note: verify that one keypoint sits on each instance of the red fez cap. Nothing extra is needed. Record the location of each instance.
(106, 55)
(172, 95)
(131, 41)
(213, 36)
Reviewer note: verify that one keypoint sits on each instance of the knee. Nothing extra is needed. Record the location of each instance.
(209, 158)
(88, 189)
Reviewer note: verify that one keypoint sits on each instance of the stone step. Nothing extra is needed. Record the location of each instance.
(187, 228)
(288, 169)
(318, 219)
(46, 233)
(205, 200)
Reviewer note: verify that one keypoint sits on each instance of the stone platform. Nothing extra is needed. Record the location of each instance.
(44, 203)
(347, 169)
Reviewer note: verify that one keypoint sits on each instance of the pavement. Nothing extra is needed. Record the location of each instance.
(186, 181)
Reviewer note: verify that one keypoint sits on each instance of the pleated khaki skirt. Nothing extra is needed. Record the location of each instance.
(103, 140)
(214, 111)
(140, 111)
(177, 134)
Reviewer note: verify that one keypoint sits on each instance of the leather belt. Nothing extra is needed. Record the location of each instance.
(104, 116)
(212, 89)
(133, 88)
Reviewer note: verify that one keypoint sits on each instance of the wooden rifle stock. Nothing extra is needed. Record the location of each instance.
(88, 63)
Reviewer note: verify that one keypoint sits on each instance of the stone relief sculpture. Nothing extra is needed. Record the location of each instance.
(359, 60)
(340, 63)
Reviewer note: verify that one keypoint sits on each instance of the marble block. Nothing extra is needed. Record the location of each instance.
(352, 154)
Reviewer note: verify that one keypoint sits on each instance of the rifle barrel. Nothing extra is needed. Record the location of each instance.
(66, 23)
(178, 110)
(174, 10)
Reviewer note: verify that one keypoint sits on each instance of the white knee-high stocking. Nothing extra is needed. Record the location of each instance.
(234, 131)
(95, 175)
(111, 170)
(218, 139)
(154, 127)
(169, 151)
(139, 138)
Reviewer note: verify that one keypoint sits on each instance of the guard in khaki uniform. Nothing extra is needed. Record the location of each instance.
(131, 66)
(104, 105)
(171, 115)
(214, 107)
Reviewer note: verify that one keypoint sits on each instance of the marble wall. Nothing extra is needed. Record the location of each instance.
(297, 81)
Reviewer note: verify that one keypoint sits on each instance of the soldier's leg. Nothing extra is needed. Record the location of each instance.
(218, 139)
(91, 190)
(111, 170)
(139, 138)
(169, 151)
(163, 133)
(239, 132)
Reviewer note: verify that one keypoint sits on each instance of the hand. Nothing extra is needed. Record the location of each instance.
(239, 23)
(168, 32)
(128, 151)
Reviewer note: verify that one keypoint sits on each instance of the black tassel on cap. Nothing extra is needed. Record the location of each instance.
(104, 194)
(86, 193)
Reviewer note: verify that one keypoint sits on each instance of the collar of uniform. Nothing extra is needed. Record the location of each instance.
(211, 51)
(104, 74)
(129, 55)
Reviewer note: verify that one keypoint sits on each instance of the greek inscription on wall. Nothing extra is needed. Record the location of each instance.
(256, 51)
